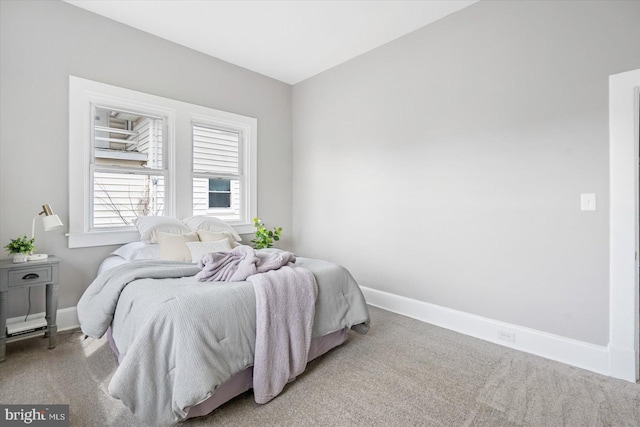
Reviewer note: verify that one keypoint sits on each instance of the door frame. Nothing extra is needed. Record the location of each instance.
(624, 312)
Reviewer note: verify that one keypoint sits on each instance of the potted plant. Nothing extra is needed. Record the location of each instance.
(20, 248)
(265, 238)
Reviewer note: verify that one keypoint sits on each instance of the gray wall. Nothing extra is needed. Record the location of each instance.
(447, 166)
(41, 44)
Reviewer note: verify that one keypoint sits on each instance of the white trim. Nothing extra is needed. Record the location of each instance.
(102, 238)
(67, 319)
(178, 181)
(247, 128)
(566, 350)
(84, 95)
(623, 234)
(572, 352)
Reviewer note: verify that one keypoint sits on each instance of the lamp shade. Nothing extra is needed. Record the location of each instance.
(51, 222)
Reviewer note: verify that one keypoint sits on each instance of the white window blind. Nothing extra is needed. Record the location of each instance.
(215, 151)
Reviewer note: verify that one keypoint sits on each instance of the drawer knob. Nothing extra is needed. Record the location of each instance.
(30, 276)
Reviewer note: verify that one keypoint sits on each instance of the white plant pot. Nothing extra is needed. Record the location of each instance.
(20, 258)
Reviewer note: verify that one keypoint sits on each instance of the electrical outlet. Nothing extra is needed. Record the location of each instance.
(507, 336)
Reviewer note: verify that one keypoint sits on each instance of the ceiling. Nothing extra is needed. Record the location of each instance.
(287, 40)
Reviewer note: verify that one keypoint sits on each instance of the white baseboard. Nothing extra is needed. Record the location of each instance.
(566, 350)
(583, 355)
(67, 318)
(622, 363)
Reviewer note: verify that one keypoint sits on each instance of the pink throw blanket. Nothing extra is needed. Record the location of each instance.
(285, 309)
(240, 263)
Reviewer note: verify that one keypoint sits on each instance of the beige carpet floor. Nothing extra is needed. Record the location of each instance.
(403, 373)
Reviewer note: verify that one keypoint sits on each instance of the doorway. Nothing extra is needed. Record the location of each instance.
(624, 152)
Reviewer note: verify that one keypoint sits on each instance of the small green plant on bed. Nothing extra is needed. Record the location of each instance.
(21, 245)
(265, 238)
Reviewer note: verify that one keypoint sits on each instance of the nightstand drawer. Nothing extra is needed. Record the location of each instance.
(28, 276)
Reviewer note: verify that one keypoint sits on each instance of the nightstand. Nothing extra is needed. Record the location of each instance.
(21, 275)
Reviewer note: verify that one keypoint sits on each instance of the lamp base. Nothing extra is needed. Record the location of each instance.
(37, 257)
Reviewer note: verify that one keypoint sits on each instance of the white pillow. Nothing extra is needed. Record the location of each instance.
(138, 250)
(150, 226)
(149, 251)
(173, 246)
(128, 251)
(210, 236)
(200, 249)
(209, 223)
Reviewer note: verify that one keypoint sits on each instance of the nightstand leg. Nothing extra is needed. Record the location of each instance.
(51, 314)
(3, 324)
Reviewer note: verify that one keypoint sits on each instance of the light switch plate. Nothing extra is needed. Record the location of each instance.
(588, 201)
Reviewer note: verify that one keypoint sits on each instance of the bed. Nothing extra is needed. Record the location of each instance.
(187, 346)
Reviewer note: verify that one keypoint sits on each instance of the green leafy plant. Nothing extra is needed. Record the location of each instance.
(265, 238)
(21, 245)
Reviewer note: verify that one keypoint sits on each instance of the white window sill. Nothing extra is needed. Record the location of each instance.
(102, 238)
(244, 228)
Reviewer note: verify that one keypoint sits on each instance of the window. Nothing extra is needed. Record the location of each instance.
(133, 154)
(217, 172)
(127, 170)
(219, 193)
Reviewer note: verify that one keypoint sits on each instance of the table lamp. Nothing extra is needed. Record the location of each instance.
(50, 221)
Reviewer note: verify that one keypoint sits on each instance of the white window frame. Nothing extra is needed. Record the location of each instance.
(148, 111)
(177, 163)
(246, 140)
